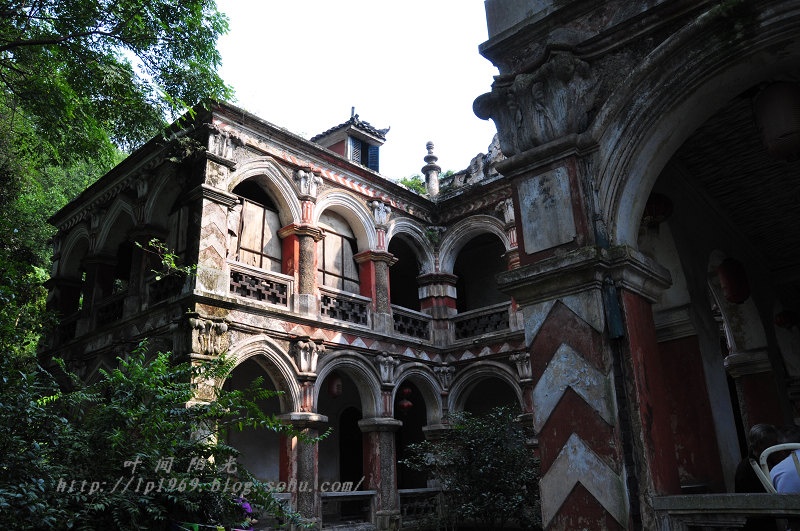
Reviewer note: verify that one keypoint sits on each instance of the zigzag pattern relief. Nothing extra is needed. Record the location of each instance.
(577, 463)
(566, 369)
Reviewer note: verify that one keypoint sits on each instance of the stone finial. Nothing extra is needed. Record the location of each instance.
(431, 171)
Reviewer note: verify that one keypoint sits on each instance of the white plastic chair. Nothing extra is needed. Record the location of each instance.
(762, 471)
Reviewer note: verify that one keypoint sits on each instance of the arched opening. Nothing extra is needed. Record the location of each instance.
(411, 409)
(259, 447)
(336, 267)
(489, 393)
(257, 243)
(477, 263)
(403, 274)
(341, 454)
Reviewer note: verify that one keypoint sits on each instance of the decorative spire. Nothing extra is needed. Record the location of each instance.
(431, 171)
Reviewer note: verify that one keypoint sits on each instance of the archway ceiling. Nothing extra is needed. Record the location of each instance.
(758, 194)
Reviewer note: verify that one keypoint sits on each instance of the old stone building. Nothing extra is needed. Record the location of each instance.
(373, 309)
(653, 156)
(627, 271)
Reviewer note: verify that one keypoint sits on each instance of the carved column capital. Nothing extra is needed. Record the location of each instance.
(445, 375)
(307, 184)
(386, 366)
(209, 336)
(306, 353)
(523, 362)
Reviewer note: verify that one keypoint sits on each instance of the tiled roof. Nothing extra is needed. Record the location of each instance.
(355, 122)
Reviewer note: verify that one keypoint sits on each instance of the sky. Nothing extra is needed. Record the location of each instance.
(412, 65)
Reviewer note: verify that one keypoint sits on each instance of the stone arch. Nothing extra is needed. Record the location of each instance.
(121, 212)
(418, 241)
(275, 363)
(354, 211)
(682, 83)
(464, 382)
(427, 383)
(462, 232)
(73, 249)
(361, 371)
(275, 181)
(161, 198)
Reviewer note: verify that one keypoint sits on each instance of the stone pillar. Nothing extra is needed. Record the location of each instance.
(380, 473)
(99, 278)
(303, 467)
(437, 298)
(213, 273)
(595, 392)
(299, 249)
(373, 274)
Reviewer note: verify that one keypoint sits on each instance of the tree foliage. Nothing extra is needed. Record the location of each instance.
(415, 183)
(83, 71)
(84, 458)
(487, 473)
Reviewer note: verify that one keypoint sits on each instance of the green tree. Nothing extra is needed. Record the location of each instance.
(83, 71)
(415, 183)
(487, 473)
(137, 414)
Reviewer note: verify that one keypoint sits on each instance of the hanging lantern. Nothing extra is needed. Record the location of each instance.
(786, 319)
(404, 404)
(777, 114)
(334, 386)
(733, 281)
(657, 209)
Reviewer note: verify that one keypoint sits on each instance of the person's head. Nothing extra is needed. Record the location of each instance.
(761, 437)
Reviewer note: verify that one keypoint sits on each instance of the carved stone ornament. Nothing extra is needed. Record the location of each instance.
(209, 337)
(223, 141)
(380, 211)
(445, 375)
(523, 362)
(534, 108)
(506, 209)
(307, 183)
(306, 354)
(386, 365)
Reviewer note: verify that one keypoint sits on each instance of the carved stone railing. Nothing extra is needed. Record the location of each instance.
(420, 508)
(722, 511)
(261, 285)
(481, 321)
(411, 323)
(110, 310)
(343, 306)
(346, 507)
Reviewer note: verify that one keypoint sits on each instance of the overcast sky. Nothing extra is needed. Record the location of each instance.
(409, 64)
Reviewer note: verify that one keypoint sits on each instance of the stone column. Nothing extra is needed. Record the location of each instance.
(380, 474)
(373, 274)
(437, 298)
(299, 242)
(303, 467)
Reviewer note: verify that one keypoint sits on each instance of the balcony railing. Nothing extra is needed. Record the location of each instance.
(165, 288)
(110, 310)
(344, 306)
(420, 508)
(261, 285)
(722, 511)
(347, 507)
(411, 323)
(481, 321)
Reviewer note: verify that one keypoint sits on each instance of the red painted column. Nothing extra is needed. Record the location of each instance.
(380, 474)
(652, 393)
